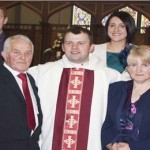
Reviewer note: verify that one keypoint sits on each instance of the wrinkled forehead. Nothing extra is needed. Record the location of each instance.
(22, 44)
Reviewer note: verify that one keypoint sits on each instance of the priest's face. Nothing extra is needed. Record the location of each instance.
(77, 47)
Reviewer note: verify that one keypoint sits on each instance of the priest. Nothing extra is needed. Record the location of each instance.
(73, 92)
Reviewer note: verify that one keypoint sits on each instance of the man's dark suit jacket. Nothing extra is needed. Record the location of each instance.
(3, 37)
(14, 131)
(111, 127)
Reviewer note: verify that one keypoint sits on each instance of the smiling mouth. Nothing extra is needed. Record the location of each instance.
(21, 63)
(139, 74)
(74, 52)
(116, 34)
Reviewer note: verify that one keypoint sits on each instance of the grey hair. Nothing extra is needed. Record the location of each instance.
(7, 43)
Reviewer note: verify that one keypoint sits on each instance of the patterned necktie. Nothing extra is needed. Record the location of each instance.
(30, 111)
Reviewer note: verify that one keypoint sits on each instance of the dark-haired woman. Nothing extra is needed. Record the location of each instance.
(119, 32)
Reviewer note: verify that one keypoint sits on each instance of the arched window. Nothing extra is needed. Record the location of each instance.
(140, 20)
(80, 17)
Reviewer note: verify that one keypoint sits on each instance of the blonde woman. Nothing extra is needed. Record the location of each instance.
(126, 126)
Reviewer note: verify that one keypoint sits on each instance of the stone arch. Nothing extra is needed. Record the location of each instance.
(63, 6)
(34, 12)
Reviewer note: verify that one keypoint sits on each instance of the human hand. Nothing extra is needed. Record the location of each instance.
(122, 146)
(112, 146)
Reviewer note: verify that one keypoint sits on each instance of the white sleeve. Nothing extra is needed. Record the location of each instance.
(113, 75)
(34, 71)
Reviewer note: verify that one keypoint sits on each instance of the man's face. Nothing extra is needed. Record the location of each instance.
(3, 20)
(20, 55)
(77, 47)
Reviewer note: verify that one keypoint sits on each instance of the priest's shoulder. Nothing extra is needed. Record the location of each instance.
(42, 68)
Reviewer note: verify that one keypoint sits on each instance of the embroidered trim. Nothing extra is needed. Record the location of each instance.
(73, 105)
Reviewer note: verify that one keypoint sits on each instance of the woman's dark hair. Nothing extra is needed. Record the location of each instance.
(128, 21)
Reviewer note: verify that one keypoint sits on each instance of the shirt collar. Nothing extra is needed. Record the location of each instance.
(14, 72)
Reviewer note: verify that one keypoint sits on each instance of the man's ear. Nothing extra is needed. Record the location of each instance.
(4, 55)
(5, 20)
(62, 46)
(92, 48)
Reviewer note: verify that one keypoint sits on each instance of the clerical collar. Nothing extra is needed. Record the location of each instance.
(79, 65)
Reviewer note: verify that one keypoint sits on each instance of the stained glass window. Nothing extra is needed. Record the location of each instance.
(144, 22)
(80, 17)
(132, 12)
(104, 20)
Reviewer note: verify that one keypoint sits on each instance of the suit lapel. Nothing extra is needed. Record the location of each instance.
(126, 88)
(35, 90)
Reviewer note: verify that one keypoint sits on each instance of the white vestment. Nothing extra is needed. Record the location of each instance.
(48, 77)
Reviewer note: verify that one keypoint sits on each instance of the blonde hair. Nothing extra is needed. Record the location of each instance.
(142, 51)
